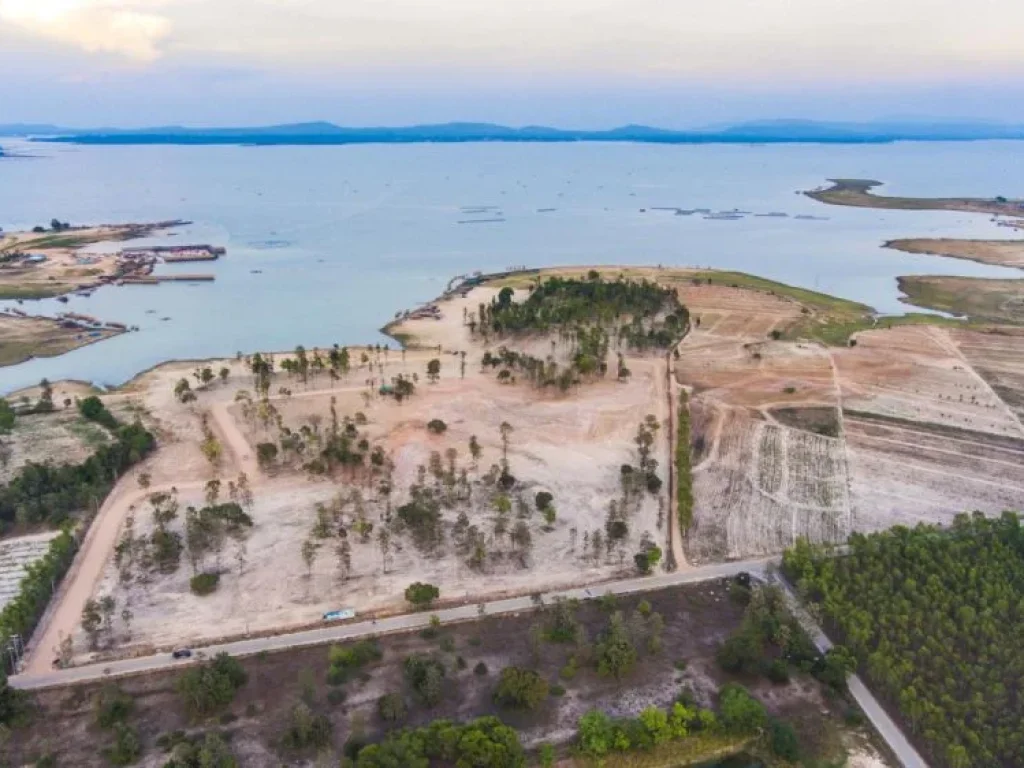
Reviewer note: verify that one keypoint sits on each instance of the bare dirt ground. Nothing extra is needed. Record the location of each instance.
(998, 357)
(571, 445)
(919, 429)
(1004, 253)
(790, 438)
(16, 555)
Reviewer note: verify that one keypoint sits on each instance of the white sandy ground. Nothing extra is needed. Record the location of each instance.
(571, 445)
(758, 482)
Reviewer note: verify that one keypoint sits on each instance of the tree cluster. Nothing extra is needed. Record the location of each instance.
(49, 493)
(21, 613)
(211, 685)
(643, 314)
(485, 741)
(934, 617)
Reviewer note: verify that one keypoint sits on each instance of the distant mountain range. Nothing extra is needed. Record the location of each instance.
(767, 131)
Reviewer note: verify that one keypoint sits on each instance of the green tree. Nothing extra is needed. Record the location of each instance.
(741, 712)
(126, 748)
(425, 675)
(520, 688)
(306, 729)
(421, 595)
(210, 686)
(784, 741)
(615, 652)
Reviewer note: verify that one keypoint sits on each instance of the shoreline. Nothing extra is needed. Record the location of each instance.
(868, 316)
(998, 253)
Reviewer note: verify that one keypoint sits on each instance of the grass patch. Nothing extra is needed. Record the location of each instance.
(684, 477)
(836, 332)
(809, 298)
(90, 434)
(13, 292)
(695, 749)
(980, 299)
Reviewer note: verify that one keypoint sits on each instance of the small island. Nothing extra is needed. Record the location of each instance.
(857, 193)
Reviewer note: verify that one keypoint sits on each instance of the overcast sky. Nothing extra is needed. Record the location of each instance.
(574, 63)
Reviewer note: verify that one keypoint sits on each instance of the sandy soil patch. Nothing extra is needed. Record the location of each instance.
(571, 445)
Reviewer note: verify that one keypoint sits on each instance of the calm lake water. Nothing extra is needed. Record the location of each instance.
(345, 237)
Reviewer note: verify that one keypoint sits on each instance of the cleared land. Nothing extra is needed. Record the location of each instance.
(792, 438)
(1003, 253)
(857, 193)
(697, 620)
(22, 338)
(984, 299)
(570, 444)
(998, 357)
(61, 437)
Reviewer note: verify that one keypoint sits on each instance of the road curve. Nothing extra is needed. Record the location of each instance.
(34, 678)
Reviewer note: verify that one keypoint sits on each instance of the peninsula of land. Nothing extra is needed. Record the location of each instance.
(1004, 253)
(857, 193)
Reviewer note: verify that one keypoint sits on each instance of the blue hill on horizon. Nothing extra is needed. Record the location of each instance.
(326, 133)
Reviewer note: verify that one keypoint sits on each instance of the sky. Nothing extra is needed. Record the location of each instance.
(572, 63)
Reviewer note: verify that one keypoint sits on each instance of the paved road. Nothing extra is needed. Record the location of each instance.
(51, 678)
(884, 725)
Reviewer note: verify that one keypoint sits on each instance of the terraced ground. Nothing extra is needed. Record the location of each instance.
(794, 438)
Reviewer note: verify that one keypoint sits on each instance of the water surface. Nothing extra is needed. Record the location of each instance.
(325, 244)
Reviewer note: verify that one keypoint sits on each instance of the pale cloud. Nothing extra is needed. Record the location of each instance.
(123, 27)
(655, 40)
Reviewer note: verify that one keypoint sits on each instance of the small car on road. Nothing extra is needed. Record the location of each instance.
(181, 653)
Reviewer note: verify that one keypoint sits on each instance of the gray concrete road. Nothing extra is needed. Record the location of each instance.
(357, 629)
